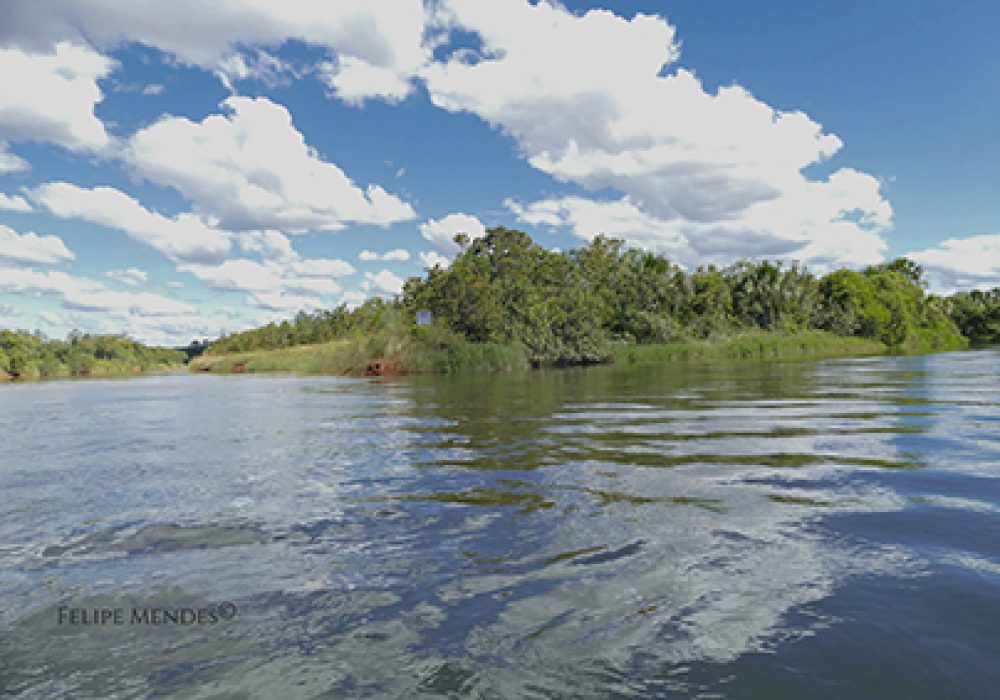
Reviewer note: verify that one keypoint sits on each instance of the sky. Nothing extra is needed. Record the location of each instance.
(179, 170)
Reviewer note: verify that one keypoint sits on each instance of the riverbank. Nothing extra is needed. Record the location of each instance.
(449, 355)
(98, 372)
(25, 355)
(422, 354)
(753, 346)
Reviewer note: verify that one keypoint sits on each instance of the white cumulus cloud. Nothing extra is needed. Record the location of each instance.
(397, 255)
(10, 163)
(441, 232)
(384, 282)
(50, 95)
(431, 259)
(962, 263)
(185, 237)
(719, 171)
(131, 277)
(85, 294)
(15, 203)
(377, 46)
(31, 249)
(251, 169)
(288, 284)
(271, 245)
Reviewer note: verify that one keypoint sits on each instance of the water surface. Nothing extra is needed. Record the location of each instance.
(753, 530)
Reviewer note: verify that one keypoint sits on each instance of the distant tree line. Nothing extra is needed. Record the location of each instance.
(977, 314)
(32, 355)
(311, 328)
(569, 307)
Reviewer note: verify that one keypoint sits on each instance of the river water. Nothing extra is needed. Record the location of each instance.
(754, 530)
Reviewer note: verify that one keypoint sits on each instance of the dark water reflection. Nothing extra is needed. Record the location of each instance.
(749, 531)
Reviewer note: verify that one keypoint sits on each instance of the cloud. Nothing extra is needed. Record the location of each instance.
(10, 163)
(271, 245)
(441, 232)
(85, 294)
(822, 229)
(713, 169)
(397, 255)
(132, 277)
(32, 249)
(182, 238)
(383, 281)
(378, 46)
(251, 169)
(174, 284)
(282, 302)
(354, 80)
(52, 318)
(237, 275)
(962, 263)
(153, 89)
(321, 267)
(50, 96)
(170, 329)
(257, 65)
(431, 259)
(288, 285)
(353, 299)
(14, 203)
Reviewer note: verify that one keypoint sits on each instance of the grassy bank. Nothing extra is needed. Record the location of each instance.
(429, 350)
(752, 345)
(436, 352)
(101, 369)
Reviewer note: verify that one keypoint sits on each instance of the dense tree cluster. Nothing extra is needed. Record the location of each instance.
(25, 354)
(570, 307)
(310, 328)
(566, 308)
(977, 314)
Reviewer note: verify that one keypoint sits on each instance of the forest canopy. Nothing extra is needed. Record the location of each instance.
(507, 295)
(573, 307)
(31, 355)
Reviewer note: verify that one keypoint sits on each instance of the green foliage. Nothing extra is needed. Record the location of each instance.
(506, 289)
(976, 313)
(31, 355)
(505, 300)
(307, 329)
(751, 344)
(710, 308)
(887, 303)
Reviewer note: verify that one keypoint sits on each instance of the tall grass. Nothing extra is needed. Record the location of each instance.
(751, 345)
(421, 350)
(439, 351)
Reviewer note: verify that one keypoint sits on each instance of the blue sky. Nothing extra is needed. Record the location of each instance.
(175, 170)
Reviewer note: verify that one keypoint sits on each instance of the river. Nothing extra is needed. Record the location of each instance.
(814, 529)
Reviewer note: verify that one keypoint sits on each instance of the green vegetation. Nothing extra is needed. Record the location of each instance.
(508, 302)
(752, 344)
(31, 356)
(977, 314)
(427, 349)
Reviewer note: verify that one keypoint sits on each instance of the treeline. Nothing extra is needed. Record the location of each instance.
(572, 307)
(977, 315)
(374, 315)
(31, 355)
